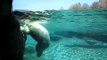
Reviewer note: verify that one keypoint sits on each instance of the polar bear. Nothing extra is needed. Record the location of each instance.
(39, 33)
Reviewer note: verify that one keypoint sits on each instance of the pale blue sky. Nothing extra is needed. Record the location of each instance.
(35, 5)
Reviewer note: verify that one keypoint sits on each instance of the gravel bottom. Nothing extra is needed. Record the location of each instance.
(71, 49)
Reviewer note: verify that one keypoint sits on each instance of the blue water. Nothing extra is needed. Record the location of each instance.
(75, 35)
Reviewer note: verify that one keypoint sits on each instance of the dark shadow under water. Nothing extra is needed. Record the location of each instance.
(55, 37)
(70, 34)
(87, 46)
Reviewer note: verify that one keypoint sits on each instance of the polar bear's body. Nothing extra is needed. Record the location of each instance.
(39, 33)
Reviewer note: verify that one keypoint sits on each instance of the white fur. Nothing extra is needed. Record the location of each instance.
(40, 30)
(25, 28)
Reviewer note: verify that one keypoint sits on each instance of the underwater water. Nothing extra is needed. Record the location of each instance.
(75, 35)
